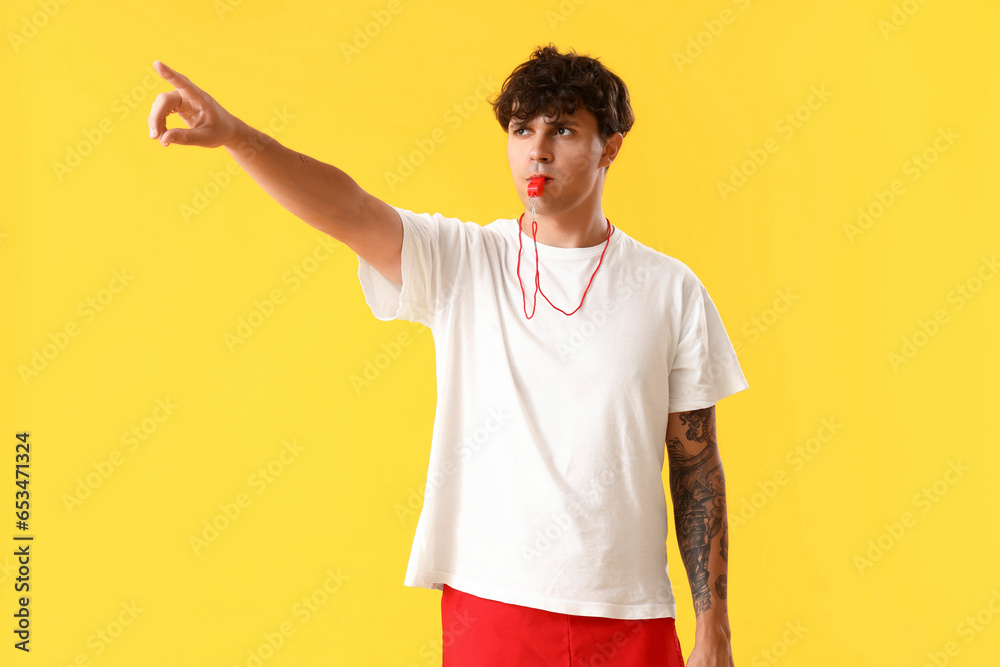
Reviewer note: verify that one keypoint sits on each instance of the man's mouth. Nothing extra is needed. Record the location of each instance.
(536, 185)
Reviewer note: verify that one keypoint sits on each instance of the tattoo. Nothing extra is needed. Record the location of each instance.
(720, 586)
(724, 548)
(697, 486)
(303, 158)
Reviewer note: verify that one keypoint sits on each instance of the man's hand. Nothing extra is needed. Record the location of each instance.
(210, 125)
(711, 653)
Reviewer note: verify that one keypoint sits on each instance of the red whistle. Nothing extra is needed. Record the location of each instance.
(535, 186)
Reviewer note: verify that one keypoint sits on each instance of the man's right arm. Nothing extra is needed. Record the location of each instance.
(324, 197)
(318, 193)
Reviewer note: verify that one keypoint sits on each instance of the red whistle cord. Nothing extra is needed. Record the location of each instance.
(538, 287)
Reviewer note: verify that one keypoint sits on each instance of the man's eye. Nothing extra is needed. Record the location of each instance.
(521, 129)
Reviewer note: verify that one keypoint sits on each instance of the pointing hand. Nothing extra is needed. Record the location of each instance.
(209, 124)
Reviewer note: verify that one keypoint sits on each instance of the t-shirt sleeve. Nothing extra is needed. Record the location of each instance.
(427, 268)
(705, 368)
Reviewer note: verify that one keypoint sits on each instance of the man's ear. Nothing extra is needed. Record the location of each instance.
(612, 145)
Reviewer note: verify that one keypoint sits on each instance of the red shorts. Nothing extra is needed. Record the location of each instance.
(477, 632)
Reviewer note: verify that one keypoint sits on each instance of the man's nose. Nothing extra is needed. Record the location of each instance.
(540, 150)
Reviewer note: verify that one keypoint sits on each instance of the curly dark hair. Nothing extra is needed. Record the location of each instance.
(550, 81)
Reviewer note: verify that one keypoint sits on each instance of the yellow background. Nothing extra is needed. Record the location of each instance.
(894, 81)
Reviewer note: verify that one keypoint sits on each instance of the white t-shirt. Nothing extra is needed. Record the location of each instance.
(544, 485)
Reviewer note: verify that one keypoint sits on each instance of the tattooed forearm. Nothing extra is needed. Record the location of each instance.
(697, 486)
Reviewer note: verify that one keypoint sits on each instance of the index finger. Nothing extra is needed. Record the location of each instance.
(175, 78)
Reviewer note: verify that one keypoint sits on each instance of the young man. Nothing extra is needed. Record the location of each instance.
(544, 521)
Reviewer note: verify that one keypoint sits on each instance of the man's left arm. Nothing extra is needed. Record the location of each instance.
(698, 490)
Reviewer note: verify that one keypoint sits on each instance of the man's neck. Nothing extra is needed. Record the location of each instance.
(575, 228)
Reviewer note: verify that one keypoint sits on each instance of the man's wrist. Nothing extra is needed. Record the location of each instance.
(713, 622)
(712, 628)
(239, 135)
(246, 143)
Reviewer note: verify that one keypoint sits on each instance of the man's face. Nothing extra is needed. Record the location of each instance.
(569, 152)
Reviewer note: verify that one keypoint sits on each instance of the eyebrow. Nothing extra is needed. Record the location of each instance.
(516, 123)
